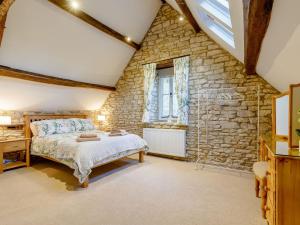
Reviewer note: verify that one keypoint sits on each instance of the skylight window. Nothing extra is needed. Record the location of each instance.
(216, 15)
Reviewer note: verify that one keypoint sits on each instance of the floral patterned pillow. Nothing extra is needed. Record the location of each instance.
(83, 124)
(44, 127)
(62, 126)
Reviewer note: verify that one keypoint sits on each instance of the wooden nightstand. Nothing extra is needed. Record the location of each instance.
(14, 145)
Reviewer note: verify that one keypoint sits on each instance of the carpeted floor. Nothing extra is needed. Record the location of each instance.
(157, 192)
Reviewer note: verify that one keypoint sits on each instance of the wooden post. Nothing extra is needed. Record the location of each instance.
(1, 161)
(27, 145)
(263, 185)
(141, 156)
(85, 184)
(257, 187)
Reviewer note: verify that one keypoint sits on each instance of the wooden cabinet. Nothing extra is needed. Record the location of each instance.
(15, 145)
(283, 185)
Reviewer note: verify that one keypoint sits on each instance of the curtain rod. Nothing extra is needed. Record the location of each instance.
(157, 62)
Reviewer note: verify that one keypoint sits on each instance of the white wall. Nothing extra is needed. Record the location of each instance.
(279, 58)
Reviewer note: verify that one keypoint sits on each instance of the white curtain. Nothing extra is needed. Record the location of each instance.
(149, 79)
(181, 71)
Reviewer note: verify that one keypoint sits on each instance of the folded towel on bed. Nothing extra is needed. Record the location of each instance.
(115, 131)
(118, 133)
(88, 135)
(79, 139)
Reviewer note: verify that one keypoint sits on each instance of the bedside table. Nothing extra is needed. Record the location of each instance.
(14, 145)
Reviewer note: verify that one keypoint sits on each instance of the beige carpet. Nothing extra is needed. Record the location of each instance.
(159, 191)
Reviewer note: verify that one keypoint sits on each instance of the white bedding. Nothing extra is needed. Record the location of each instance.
(83, 156)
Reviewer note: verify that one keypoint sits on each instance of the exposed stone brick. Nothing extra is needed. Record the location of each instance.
(232, 128)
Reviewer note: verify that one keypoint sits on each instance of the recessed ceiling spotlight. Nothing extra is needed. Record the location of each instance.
(128, 39)
(181, 18)
(74, 4)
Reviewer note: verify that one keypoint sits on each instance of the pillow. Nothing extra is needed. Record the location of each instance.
(63, 126)
(44, 127)
(83, 124)
(60, 126)
(33, 129)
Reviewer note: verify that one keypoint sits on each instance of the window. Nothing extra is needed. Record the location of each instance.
(168, 107)
(216, 15)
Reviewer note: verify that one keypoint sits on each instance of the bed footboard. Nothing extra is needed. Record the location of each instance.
(85, 184)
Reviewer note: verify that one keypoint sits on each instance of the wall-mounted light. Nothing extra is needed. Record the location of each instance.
(74, 4)
(101, 118)
(181, 18)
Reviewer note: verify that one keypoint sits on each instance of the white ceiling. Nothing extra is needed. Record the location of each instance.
(236, 13)
(279, 58)
(131, 17)
(42, 38)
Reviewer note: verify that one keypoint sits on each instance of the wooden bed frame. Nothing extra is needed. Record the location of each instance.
(28, 134)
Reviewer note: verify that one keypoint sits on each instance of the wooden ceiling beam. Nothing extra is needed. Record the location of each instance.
(65, 5)
(35, 77)
(2, 28)
(189, 16)
(257, 14)
(4, 7)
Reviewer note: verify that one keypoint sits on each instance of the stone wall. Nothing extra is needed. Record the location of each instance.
(233, 127)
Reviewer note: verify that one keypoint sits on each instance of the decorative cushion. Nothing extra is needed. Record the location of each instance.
(83, 124)
(44, 127)
(260, 169)
(63, 126)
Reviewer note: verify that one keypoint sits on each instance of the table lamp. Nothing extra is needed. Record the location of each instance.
(101, 119)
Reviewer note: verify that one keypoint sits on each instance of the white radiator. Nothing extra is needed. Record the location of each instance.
(165, 141)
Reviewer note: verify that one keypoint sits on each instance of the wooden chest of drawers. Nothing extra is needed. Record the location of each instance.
(283, 189)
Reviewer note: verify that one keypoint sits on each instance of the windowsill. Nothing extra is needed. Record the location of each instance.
(165, 124)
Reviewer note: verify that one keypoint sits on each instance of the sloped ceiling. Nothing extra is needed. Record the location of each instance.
(279, 58)
(278, 62)
(42, 38)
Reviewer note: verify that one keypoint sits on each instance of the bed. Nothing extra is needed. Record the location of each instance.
(81, 156)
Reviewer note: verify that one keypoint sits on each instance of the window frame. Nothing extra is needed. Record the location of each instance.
(223, 29)
(171, 97)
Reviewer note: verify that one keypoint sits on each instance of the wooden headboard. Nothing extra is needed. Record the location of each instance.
(31, 118)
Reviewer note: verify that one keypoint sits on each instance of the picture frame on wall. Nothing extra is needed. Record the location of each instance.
(294, 123)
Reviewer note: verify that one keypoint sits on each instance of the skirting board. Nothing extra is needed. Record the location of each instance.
(167, 156)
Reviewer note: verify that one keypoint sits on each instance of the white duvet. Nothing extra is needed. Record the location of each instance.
(83, 156)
